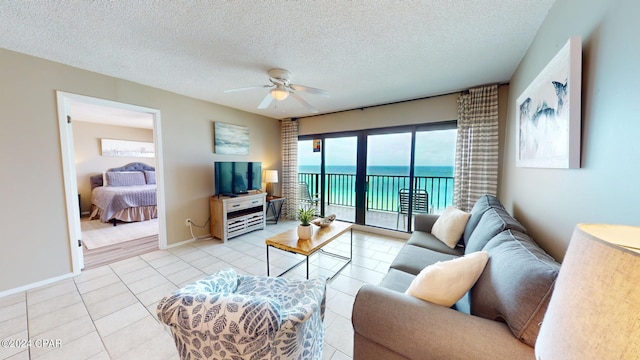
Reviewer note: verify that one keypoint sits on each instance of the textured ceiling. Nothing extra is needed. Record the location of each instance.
(363, 53)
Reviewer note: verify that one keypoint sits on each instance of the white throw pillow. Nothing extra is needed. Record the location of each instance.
(445, 282)
(450, 226)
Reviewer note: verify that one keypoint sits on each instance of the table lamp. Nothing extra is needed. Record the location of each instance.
(270, 177)
(594, 312)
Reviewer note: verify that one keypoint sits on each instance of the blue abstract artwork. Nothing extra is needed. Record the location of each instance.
(548, 113)
(231, 139)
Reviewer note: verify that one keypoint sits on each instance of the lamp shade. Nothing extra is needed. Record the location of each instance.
(271, 176)
(594, 312)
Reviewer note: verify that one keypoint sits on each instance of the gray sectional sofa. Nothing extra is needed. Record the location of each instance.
(499, 318)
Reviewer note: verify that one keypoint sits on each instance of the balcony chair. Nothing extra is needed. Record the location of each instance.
(305, 198)
(231, 316)
(420, 203)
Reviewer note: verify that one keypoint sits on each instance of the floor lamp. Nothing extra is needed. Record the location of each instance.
(594, 312)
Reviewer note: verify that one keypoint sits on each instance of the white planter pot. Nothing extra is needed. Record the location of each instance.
(305, 232)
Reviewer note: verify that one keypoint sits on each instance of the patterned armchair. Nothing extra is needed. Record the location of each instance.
(231, 316)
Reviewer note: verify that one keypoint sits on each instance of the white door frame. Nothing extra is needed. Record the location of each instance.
(64, 100)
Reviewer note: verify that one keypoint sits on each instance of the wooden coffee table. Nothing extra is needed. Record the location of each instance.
(288, 241)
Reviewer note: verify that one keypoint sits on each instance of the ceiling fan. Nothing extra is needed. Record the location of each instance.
(282, 88)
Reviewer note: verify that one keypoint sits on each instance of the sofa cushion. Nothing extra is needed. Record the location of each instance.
(516, 284)
(493, 222)
(483, 204)
(412, 259)
(445, 282)
(397, 280)
(428, 241)
(450, 226)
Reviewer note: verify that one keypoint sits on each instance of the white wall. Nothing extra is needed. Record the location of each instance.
(605, 190)
(34, 236)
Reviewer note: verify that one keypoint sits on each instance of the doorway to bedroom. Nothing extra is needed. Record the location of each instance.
(107, 141)
(115, 142)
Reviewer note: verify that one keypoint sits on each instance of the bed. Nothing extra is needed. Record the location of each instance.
(126, 193)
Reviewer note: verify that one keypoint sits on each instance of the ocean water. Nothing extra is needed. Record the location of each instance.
(384, 184)
(433, 171)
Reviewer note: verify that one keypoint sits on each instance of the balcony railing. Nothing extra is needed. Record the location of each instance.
(382, 190)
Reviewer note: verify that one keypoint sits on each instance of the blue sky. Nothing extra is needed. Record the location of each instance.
(433, 148)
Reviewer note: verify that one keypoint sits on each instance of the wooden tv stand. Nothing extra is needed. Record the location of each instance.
(233, 216)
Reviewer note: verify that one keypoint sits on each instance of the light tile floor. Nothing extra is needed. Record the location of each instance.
(110, 312)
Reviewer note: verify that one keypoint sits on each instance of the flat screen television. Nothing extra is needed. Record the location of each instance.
(237, 177)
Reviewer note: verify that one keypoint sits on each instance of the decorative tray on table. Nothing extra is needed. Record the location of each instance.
(324, 222)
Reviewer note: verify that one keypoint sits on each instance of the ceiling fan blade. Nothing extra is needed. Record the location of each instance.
(303, 102)
(310, 90)
(248, 88)
(266, 101)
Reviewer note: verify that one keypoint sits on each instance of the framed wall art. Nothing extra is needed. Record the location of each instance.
(548, 113)
(231, 139)
(111, 147)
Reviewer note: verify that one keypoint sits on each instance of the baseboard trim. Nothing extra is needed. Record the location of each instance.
(35, 285)
(70, 275)
(380, 231)
(203, 237)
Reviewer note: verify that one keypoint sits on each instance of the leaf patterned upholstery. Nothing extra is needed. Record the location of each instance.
(231, 316)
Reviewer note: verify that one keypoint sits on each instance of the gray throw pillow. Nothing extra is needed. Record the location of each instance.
(516, 284)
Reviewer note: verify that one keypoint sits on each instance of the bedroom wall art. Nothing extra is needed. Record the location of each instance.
(549, 113)
(231, 139)
(128, 148)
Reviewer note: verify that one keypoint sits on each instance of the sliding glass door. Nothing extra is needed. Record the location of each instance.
(388, 165)
(327, 173)
(433, 169)
(381, 177)
(339, 196)
(309, 172)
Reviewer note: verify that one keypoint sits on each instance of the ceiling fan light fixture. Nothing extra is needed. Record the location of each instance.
(281, 88)
(279, 93)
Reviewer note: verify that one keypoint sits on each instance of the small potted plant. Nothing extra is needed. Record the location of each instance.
(305, 230)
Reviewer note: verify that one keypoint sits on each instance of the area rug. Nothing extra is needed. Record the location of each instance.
(97, 234)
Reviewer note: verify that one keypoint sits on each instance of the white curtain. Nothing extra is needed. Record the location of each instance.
(476, 164)
(289, 133)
